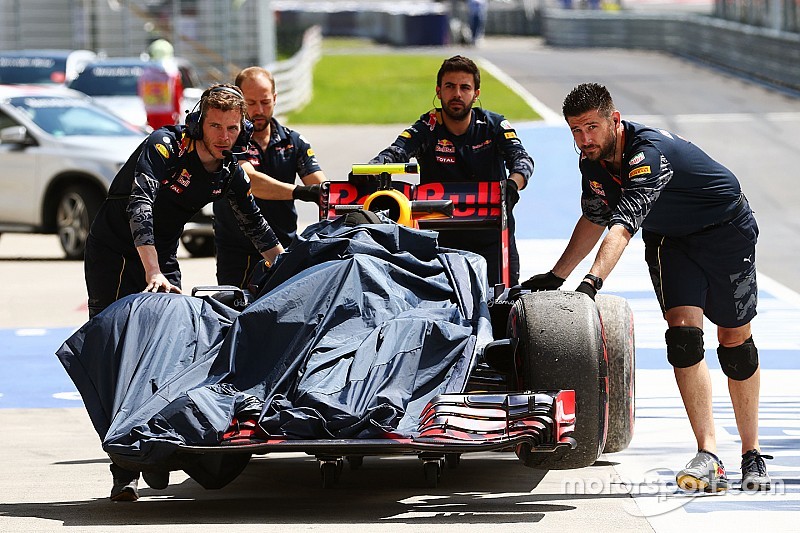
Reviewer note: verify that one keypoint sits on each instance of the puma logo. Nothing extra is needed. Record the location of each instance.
(682, 347)
(748, 259)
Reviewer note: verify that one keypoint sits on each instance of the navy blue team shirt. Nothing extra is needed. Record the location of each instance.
(161, 186)
(666, 185)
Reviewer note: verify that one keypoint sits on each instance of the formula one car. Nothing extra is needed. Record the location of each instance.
(365, 338)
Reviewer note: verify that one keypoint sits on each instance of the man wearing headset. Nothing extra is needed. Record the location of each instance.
(462, 143)
(133, 241)
(275, 156)
(700, 235)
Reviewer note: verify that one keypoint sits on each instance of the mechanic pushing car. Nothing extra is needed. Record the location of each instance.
(274, 156)
(459, 143)
(133, 242)
(700, 235)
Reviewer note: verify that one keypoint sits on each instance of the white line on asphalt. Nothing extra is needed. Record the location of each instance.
(548, 115)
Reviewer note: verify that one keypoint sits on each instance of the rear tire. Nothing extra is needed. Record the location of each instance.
(561, 347)
(617, 320)
(75, 211)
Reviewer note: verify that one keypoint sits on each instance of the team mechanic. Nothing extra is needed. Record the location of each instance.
(459, 143)
(133, 241)
(274, 156)
(700, 235)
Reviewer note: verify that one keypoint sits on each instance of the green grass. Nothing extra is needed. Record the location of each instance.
(390, 89)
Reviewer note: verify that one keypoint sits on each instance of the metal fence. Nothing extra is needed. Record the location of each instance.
(781, 15)
(218, 36)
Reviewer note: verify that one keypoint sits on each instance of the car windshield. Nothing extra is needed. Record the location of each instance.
(64, 117)
(111, 80)
(16, 70)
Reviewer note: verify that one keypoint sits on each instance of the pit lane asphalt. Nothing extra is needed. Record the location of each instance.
(53, 473)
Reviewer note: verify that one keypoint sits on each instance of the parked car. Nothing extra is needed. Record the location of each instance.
(114, 83)
(43, 67)
(58, 154)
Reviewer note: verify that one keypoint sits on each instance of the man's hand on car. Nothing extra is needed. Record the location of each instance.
(512, 193)
(543, 282)
(307, 193)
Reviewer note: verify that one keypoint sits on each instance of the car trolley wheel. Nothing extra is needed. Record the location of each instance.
(355, 461)
(617, 319)
(560, 348)
(452, 460)
(330, 469)
(433, 471)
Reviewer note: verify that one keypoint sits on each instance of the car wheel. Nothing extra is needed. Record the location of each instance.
(198, 245)
(75, 211)
(617, 320)
(560, 347)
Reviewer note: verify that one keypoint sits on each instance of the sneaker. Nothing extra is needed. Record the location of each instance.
(704, 472)
(156, 480)
(125, 487)
(125, 490)
(754, 471)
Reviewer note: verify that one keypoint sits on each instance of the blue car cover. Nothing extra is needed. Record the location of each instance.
(356, 329)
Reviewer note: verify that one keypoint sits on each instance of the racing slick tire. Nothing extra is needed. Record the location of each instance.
(76, 208)
(560, 347)
(617, 319)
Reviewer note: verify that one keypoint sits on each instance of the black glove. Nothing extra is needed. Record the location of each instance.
(362, 179)
(587, 288)
(307, 193)
(543, 282)
(512, 193)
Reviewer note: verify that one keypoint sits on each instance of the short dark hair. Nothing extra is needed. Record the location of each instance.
(459, 64)
(588, 97)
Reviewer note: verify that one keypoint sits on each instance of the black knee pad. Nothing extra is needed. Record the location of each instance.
(739, 362)
(684, 346)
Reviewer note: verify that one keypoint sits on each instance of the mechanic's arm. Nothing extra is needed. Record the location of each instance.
(410, 143)
(314, 178)
(144, 190)
(156, 281)
(249, 217)
(610, 251)
(272, 254)
(266, 187)
(517, 160)
(584, 237)
(519, 179)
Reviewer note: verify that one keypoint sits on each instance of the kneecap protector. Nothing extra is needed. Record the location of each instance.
(739, 362)
(684, 346)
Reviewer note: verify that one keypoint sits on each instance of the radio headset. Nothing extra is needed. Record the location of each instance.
(194, 119)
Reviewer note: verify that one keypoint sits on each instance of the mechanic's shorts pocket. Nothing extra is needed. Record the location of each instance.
(746, 226)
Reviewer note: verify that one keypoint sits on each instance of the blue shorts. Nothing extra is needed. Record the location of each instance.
(714, 269)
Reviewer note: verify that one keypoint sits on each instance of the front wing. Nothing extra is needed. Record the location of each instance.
(450, 423)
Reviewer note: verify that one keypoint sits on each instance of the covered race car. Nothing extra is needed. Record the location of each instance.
(363, 339)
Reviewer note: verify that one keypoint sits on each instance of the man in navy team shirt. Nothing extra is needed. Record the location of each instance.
(700, 236)
(275, 156)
